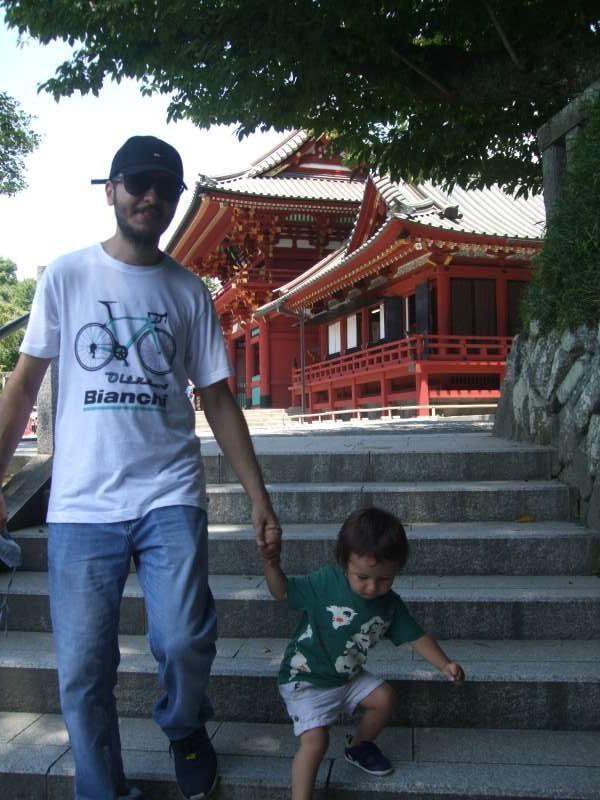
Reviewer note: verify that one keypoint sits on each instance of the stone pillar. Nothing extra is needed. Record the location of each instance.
(554, 166)
(46, 408)
(46, 404)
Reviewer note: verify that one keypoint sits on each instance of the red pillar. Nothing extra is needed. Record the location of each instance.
(323, 342)
(501, 306)
(364, 327)
(383, 390)
(249, 367)
(443, 302)
(231, 356)
(264, 359)
(422, 387)
(343, 335)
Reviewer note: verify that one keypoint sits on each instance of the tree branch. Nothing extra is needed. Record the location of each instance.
(421, 72)
(503, 37)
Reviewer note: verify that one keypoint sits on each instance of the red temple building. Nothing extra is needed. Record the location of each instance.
(351, 291)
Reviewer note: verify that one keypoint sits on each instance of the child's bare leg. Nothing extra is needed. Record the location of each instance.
(313, 746)
(378, 708)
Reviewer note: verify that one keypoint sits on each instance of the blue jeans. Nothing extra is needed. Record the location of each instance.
(88, 566)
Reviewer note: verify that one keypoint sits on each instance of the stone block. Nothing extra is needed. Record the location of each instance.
(520, 401)
(577, 473)
(504, 417)
(540, 424)
(513, 363)
(23, 770)
(587, 337)
(568, 389)
(11, 725)
(562, 363)
(588, 402)
(568, 437)
(571, 344)
(508, 747)
(534, 328)
(593, 510)
(592, 444)
(542, 361)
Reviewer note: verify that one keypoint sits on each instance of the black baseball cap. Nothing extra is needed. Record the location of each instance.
(145, 153)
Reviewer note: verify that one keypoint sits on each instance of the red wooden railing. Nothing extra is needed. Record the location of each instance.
(415, 348)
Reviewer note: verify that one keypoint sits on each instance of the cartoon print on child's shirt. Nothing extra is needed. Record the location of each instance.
(306, 635)
(298, 663)
(341, 616)
(357, 647)
(350, 662)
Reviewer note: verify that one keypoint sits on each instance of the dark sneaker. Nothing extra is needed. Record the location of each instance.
(132, 794)
(368, 757)
(195, 765)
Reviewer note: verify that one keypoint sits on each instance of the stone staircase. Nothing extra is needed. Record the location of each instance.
(257, 418)
(497, 571)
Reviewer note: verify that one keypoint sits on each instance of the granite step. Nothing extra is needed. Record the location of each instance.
(412, 502)
(449, 548)
(416, 463)
(254, 759)
(466, 607)
(527, 685)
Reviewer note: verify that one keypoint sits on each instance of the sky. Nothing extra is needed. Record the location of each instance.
(60, 211)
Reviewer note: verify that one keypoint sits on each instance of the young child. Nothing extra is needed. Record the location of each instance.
(346, 610)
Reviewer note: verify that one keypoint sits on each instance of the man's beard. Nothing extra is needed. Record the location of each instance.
(140, 237)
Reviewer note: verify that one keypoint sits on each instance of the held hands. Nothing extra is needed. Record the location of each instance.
(454, 672)
(267, 531)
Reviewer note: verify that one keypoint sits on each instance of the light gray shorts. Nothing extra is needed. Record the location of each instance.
(312, 707)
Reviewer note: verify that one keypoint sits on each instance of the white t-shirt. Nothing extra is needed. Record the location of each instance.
(128, 339)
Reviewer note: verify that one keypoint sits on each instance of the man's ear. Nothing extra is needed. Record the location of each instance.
(109, 190)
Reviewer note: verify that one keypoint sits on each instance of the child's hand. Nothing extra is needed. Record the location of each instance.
(454, 672)
(272, 548)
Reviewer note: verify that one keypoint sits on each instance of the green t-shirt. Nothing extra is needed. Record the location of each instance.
(338, 627)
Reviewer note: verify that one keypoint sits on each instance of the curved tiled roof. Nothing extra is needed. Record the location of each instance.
(297, 188)
(272, 159)
(484, 212)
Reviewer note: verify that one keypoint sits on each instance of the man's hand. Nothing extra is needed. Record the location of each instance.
(267, 530)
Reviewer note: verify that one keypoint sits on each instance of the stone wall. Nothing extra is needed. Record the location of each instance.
(551, 395)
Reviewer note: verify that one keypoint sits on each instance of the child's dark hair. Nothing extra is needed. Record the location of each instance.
(372, 532)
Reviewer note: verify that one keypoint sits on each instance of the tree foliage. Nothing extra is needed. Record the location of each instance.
(17, 140)
(444, 89)
(15, 300)
(565, 290)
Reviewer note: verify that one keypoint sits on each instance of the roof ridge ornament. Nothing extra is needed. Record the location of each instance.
(452, 213)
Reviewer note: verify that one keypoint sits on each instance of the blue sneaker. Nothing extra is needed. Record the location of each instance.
(368, 757)
(195, 765)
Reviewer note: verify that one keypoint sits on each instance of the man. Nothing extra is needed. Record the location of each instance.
(131, 328)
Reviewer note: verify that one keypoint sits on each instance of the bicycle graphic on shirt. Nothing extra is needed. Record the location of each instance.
(97, 343)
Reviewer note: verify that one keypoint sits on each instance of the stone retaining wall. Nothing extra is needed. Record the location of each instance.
(551, 395)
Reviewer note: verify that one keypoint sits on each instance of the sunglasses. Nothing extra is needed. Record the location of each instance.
(167, 187)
